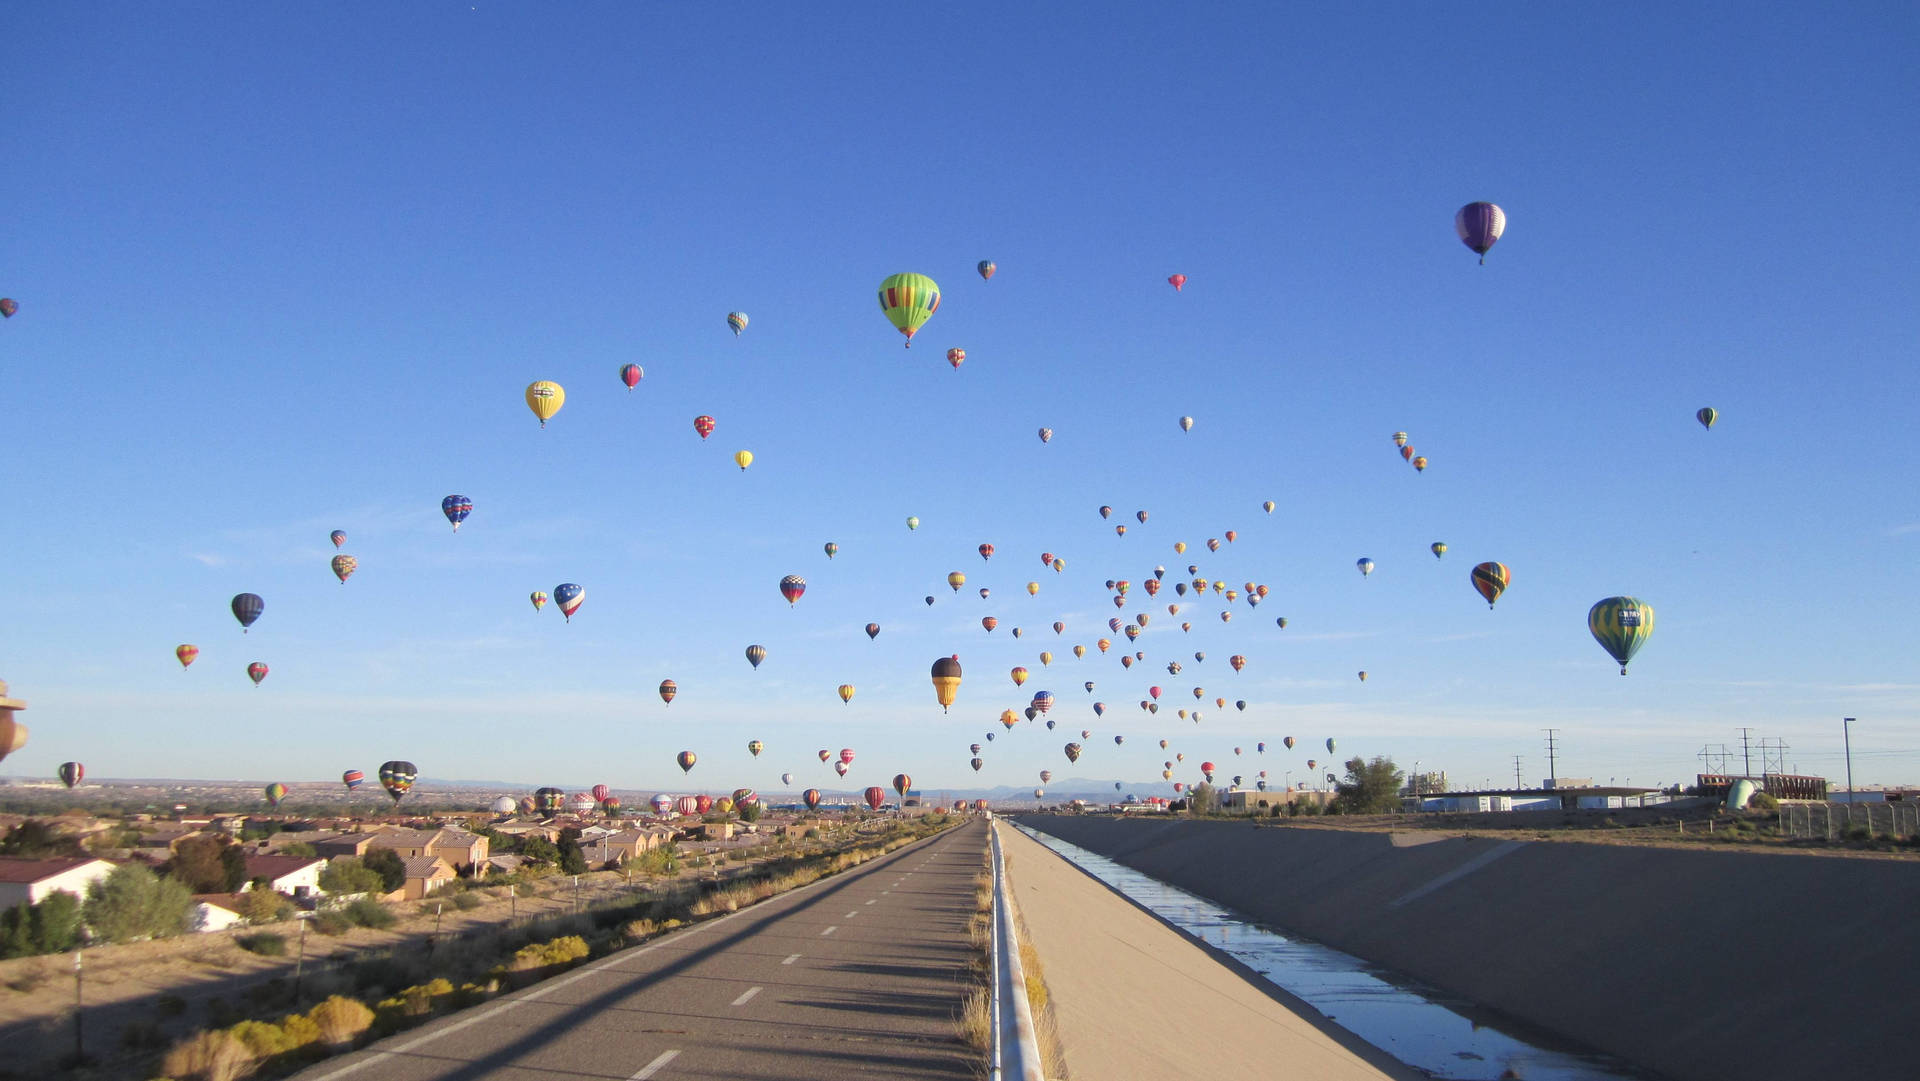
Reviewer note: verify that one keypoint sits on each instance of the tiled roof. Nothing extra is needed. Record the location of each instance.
(424, 867)
(31, 871)
(272, 867)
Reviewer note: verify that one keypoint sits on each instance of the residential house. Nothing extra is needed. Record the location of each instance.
(343, 844)
(456, 846)
(215, 912)
(29, 881)
(295, 876)
(623, 846)
(425, 875)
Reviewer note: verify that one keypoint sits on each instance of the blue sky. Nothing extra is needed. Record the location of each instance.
(289, 269)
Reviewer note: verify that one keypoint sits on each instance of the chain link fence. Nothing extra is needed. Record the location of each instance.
(1836, 821)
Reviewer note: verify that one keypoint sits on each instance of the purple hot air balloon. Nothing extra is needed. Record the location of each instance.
(1480, 226)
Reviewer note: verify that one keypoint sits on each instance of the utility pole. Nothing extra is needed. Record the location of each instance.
(1553, 768)
(1516, 772)
(1846, 733)
(1746, 753)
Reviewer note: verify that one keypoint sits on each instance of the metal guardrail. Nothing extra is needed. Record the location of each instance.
(1015, 1047)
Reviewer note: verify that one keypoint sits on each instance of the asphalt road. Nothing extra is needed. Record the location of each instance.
(858, 975)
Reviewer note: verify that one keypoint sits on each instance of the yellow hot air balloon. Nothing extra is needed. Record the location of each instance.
(908, 300)
(956, 580)
(846, 692)
(743, 459)
(1045, 657)
(946, 680)
(1079, 651)
(545, 398)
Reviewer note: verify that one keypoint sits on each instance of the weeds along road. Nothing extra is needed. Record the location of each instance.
(858, 975)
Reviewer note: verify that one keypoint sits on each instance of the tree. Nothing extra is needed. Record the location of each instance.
(299, 848)
(1370, 788)
(263, 906)
(233, 860)
(1203, 799)
(134, 903)
(539, 848)
(386, 863)
(751, 812)
(199, 864)
(572, 860)
(349, 875)
(34, 839)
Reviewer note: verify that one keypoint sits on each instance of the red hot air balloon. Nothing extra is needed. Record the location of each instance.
(846, 756)
(986, 551)
(630, 375)
(601, 792)
(668, 689)
(956, 356)
(876, 796)
(792, 587)
(704, 425)
(8, 306)
(1177, 281)
(256, 672)
(902, 782)
(185, 654)
(811, 797)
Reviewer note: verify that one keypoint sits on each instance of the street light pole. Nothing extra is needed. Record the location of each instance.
(1846, 733)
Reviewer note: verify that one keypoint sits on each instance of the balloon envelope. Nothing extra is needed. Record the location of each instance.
(397, 778)
(247, 608)
(1621, 625)
(908, 301)
(1479, 226)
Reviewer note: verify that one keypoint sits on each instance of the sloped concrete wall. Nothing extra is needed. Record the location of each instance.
(1694, 964)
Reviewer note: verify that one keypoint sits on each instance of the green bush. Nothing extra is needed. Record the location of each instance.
(349, 875)
(367, 912)
(332, 922)
(467, 900)
(134, 903)
(266, 944)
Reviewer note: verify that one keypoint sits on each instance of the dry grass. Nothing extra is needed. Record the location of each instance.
(976, 1020)
(210, 1056)
(1053, 1060)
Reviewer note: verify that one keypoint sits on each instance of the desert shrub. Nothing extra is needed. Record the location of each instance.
(209, 1056)
(264, 906)
(332, 923)
(367, 912)
(263, 1039)
(134, 903)
(266, 944)
(340, 1020)
(168, 1004)
(299, 1030)
(467, 900)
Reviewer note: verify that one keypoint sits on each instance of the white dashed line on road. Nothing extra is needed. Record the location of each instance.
(655, 1066)
(742, 1000)
(791, 958)
(829, 931)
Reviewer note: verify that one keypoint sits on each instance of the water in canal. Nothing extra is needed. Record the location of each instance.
(1416, 1025)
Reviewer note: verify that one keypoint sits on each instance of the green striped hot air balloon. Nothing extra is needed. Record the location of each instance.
(908, 300)
(1621, 625)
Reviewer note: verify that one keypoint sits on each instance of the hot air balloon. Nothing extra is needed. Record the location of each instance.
(976, 763)
(986, 551)
(8, 306)
(811, 797)
(71, 772)
(1621, 625)
(704, 425)
(668, 689)
(630, 374)
(738, 321)
(1177, 280)
(786, 780)
(1186, 425)
(185, 654)
(1365, 565)
(1073, 752)
(825, 754)
(538, 598)
(1280, 622)
(1491, 580)
(1046, 776)
(956, 357)
(743, 459)
(955, 580)
(569, 597)
(1042, 700)
(846, 756)
(902, 782)
(754, 747)
(545, 398)
(831, 549)
(353, 779)
(1019, 675)
(275, 792)
(1420, 464)
(756, 654)
(456, 508)
(662, 803)
(875, 796)
(1046, 657)
(344, 566)
(1311, 764)
(686, 760)
(946, 680)
(1480, 226)
(1288, 742)
(1106, 512)
(913, 522)
(256, 672)
(1032, 588)
(1363, 675)
(247, 608)
(397, 778)
(338, 537)
(792, 587)
(908, 300)
(873, 631)
(1439, 548)
(690, 805)
(1046, 435)
(505, 805)
(986, 269)
(600, 793)
(1706, 416)
(1007, 718)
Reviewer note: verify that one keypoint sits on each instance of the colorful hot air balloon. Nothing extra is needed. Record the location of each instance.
(956, 357)
(1706, 416)
(1042, 700)
(1363, 675)
(1237, 661)
(1621, 625)
(686, 760)
(792, 587)
(704, 425)
(902, 782)
(743, 459)
(946, 680)
(1177, 281)
(185, 653)
(908, 300)
(825, 754)
(1420, 463)
(846, 756)
(738, 321)
(873, 630)
(976, 763)
(756, 654)
(956, 580)
(539, 599)
(397, 778)
(1073, 752)
(256, 672)
(986, 269)
(974, 749)
(569, 597)
(1046, 435)
(8, 306)
(275, 792)
(456, 508)
(1491, 580)
(1019, 674)
(841, 768)
(1438, 548)
(989, 622)
(71, 773)
(913, 522)
(344, 566)
(831, 549)
(247, 608)
(1046, 775)
(876, 797)
(353, 779)
(811, 797)
(668, 689)
(986, 551)
(846, 692)
(545, 397)
(338, 537)
(631, 374)
(1480, 226)
(661, 803)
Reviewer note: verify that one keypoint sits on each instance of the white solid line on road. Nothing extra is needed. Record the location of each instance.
(829, 931)
(883, 893)
(791, 958)
(851, 915)
(875, 899)
(742, 1000)
(654, 1067)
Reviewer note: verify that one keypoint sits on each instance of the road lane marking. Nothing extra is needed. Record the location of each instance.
(851, 915)
(829, 931)
(742, 1000)
(654, 1067)
(791, 958)
(875, 899)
